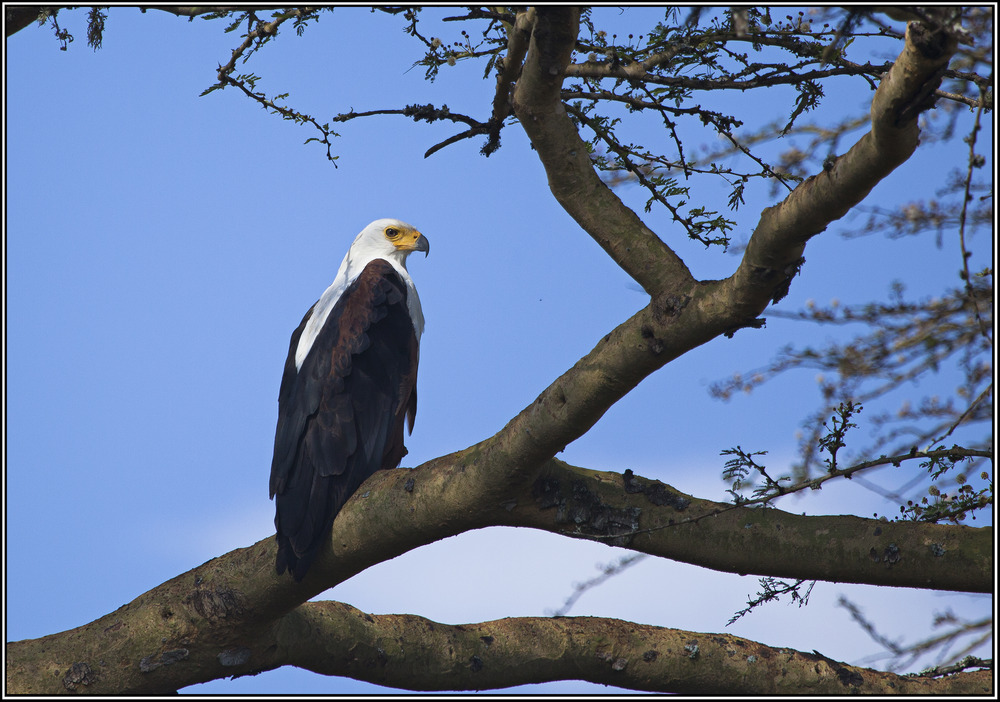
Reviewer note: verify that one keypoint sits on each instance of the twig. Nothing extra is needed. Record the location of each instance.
(869, 627)
(623, 154)
(607, 572)
(262, 32)
(813, 484)
(600, 70)
(965, 414)
(975, 161)
(518, 34)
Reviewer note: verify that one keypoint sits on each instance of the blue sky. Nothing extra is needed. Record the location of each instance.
(161, 247)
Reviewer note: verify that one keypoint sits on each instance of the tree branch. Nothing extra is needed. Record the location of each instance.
(332, 638)
(518, 34)
(776, 246)
(17, 18)
(197, 626)
(571, 174)
(415, 653)
(635, 71)
(651, 517)
(262, 32)
(676, 322)
(192, 11)
(683, 314)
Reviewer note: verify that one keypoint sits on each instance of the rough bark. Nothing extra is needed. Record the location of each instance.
(192, 628)
(651, 517)
(335, 639)
(411, 652)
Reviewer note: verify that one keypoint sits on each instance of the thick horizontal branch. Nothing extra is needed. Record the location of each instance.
(197, 626)
(410, 652)
(654, 518)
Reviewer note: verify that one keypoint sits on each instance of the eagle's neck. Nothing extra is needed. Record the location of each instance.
(350, 269)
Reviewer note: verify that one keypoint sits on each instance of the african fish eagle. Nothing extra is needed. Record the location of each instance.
(349, 385)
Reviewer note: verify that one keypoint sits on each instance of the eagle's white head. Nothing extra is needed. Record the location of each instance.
(388, 239)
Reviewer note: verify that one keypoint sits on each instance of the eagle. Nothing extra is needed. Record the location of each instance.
(348, 387)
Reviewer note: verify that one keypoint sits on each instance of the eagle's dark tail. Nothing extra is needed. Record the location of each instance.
(287, 560)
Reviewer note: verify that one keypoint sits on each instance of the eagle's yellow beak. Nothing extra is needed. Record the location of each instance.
(414, 241)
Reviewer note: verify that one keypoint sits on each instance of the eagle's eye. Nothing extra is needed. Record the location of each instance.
(391, 232)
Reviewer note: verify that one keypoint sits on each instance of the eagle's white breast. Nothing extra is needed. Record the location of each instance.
(368, 246)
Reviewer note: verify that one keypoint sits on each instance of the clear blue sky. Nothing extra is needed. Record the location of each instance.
(161, 247)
